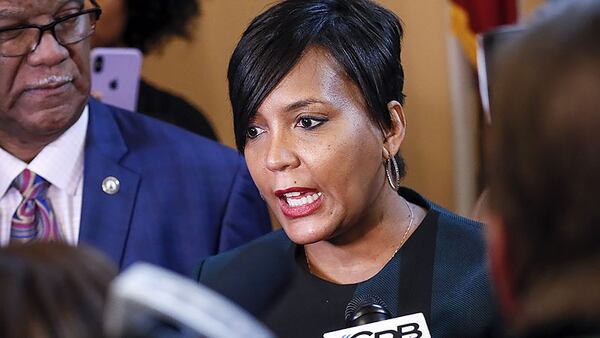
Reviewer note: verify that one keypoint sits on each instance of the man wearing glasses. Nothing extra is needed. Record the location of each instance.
(73, 169)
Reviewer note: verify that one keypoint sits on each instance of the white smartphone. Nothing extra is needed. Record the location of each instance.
(116, 76)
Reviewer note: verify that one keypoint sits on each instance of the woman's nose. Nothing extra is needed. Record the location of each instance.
(281, 154)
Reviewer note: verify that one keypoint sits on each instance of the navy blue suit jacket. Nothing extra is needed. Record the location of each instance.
(182, 197)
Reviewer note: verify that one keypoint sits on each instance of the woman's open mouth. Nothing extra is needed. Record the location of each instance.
(295, 204)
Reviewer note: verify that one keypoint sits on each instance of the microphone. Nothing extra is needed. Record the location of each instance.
(151, 302)
(366, 309)
(368, 316)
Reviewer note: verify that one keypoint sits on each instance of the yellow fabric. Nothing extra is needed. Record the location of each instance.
(460, 26)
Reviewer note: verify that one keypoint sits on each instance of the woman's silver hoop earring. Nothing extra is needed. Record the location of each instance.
(392, 171)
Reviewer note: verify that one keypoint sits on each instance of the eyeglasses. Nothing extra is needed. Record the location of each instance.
(67, 30)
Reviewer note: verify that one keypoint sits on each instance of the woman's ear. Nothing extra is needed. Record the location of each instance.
(395, 134)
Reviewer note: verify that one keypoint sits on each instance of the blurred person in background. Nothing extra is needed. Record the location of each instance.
(317, 93)
(544, 156)
(147, 25)
(53, 290)
(76, 170)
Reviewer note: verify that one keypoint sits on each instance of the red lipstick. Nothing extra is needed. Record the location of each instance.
(299, 202)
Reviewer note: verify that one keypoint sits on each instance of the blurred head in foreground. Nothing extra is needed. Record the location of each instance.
(52, 290)
(544, 160)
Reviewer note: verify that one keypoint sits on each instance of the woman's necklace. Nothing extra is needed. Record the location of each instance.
(404, 237)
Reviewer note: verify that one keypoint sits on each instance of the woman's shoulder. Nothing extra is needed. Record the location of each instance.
(461, 281)
(445, 219)
(250, 274)
(261, 251)
(451, 221)
(460, 242)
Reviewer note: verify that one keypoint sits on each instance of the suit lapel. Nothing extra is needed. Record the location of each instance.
(106, 218)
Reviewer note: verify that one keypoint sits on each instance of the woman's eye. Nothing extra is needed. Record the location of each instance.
(253, 132)
(309, 122)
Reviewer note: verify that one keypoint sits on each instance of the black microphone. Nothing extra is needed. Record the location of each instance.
(368, 316)
(366, 309)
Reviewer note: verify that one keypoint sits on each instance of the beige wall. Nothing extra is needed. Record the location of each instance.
(526, 7)
(198, 71)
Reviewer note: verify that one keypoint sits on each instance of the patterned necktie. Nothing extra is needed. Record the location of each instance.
(34, 218)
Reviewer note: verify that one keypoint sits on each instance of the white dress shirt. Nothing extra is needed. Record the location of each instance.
(61, 164)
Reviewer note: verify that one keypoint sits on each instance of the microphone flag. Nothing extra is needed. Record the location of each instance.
(410, 326)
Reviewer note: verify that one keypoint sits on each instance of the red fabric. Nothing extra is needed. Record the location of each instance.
(487, 14)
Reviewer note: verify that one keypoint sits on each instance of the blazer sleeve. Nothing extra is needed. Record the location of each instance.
(246, 216)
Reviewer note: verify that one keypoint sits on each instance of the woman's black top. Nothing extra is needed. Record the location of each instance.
(441, 271)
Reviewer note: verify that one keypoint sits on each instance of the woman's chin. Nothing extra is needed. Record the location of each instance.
(304, 236)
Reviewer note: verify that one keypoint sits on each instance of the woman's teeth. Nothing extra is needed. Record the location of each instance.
(298, 202)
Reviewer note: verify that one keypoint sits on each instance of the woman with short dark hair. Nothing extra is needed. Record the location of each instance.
(316, 88)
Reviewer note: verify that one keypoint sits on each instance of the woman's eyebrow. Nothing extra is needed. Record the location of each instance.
(302, 103)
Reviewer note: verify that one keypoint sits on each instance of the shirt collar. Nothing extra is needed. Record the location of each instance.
(10, 167)
(60, 162)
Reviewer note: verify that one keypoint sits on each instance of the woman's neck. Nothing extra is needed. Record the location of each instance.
(367, 246)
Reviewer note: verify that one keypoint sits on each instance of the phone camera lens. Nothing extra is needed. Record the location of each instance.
(98, 64)
(114, 84)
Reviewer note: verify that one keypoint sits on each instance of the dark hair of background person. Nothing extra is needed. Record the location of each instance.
(150, 23)
(147, 25)
(366, 46)
(544, 151)
(51, 289)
